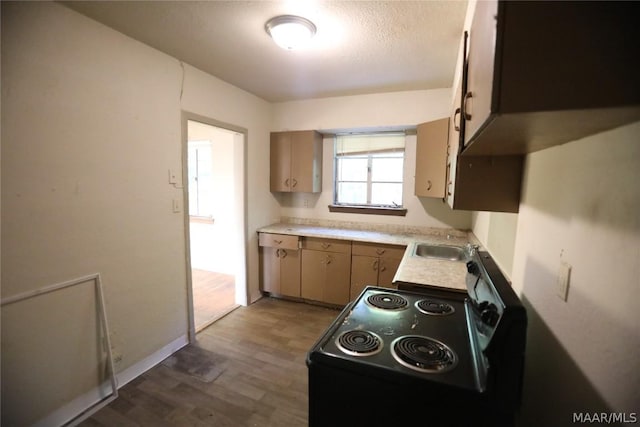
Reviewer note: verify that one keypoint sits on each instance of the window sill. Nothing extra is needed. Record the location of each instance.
(368, 210)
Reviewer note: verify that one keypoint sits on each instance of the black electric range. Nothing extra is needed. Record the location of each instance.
(395, 356)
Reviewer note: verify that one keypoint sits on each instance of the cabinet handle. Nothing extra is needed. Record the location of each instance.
(277, 241)
(380, 251)
(375, 265)
(294, 182)
(284, 253)
(286, 182)
(429, 185)
(325, 245)
(465, 111)
(328, 260)
(456, 114)
(278, 253)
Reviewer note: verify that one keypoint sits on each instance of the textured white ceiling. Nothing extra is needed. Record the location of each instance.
(360, 46)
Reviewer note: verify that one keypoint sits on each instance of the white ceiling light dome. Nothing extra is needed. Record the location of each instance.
(290, 32)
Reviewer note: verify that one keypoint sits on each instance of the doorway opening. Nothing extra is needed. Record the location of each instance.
(215, 220)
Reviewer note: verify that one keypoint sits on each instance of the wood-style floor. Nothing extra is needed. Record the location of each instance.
(258, 355)
(213, 296)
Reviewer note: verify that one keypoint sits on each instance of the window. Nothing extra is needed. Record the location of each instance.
(369, 170)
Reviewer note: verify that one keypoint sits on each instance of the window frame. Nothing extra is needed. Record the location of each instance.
(368, 208)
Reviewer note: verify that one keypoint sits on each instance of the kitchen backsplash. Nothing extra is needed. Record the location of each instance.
(385, 228)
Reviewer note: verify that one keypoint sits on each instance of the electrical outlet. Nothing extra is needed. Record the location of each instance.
(562, 284)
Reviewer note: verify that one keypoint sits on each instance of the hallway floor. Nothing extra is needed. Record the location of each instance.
(213, 296)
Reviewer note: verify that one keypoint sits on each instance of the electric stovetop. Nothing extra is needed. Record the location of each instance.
(401, 336)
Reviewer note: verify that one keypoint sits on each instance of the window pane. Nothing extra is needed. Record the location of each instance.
(386, 169)
(386, 194)
(352, 169)
(352, 192)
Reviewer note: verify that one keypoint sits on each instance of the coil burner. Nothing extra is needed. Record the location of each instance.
(359, 343)
(434, 307)
(388, 301)
(423, 354)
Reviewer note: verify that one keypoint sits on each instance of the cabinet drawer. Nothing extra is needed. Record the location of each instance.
(327, 245)
(283, 241)
(378, 250)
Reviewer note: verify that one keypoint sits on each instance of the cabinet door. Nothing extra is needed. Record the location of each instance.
(431, 158)
(280, 174)
(325, 276)
(306, 161)
(482, 48)
(313, 274)
(290, 272)
(270, 269)
(453, 143)
(338, 275)
(364, 272)
(386, 271)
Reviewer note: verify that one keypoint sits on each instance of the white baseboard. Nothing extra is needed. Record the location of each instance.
(85, 405)
(149, 362)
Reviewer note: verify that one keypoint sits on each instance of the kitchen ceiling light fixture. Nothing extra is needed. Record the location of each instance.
(290, 32)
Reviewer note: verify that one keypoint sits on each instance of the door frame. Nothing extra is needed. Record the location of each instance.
(242, 292)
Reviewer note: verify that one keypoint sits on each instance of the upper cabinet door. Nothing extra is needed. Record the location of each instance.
(476, 104)
(306, 161)
(296, 161)
(280, 161)
(431, 158)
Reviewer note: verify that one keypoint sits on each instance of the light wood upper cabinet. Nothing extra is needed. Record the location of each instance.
(296, 161)
(431, 158)
(545, 73)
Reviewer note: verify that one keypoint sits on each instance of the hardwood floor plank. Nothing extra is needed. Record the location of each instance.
(260, 351)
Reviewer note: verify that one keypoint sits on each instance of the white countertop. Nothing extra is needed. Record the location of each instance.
(413, 269)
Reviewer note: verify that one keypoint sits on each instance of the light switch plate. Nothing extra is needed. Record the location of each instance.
(176, 206)
(562, 285)
(173, 176)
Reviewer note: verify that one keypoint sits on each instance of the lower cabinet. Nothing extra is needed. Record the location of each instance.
(326, 270)
(373, 264)
(280, 264)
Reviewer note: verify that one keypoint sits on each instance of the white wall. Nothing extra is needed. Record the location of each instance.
(91, 124)
(367, 112)
(497, 231)
(580, 205)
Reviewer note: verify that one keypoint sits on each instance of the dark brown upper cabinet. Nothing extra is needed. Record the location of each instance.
(545, 73)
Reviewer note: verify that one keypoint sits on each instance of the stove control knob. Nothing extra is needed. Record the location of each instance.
(472, 267)
(489, 315)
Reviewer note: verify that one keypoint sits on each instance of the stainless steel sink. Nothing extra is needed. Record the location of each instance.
(451, 253)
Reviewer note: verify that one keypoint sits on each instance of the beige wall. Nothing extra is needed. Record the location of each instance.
(580, 205)
(91, 124)
(366, 112)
